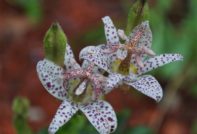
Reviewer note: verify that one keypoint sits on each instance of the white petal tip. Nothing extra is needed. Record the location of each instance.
(106, 19)
(52, 130)
(181, 57)
(158, 99)
(146, 22)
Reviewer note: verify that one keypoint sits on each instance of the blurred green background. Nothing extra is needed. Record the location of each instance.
(22, 27)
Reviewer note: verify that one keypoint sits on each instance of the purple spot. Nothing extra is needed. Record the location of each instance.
(48, 84)
(102, 119)
(110, 119)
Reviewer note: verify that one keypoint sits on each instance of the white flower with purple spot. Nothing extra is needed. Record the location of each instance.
(79, 89)
(135, 54)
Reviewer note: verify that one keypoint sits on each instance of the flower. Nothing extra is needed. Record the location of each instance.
(134, 58)
(73, 85)
(136, 45)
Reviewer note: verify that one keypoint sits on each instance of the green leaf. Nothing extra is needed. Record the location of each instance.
(138, 12)
(55, 44)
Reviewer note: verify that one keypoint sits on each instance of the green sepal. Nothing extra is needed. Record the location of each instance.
(55, 44)
(138, 12)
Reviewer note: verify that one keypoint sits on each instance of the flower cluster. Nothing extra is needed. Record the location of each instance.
(82, 87)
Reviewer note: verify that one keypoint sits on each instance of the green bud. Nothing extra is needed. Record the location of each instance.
(20, 106)
(137, 13)
(20, 109)
(55, 44)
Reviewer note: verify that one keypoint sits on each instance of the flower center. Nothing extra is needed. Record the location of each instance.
(79, 90)
(80, 85)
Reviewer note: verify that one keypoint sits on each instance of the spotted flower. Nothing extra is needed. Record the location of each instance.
(135, 55)
(136, 46)
(76, 87)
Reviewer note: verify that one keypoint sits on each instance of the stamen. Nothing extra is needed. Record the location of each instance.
(139, 61)
(122, 34)
(148, 51)
(89, 69)
(133, 43)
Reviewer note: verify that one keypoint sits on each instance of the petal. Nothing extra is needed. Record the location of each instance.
(62, 116)
(101, 115)
(110, 31)
(145, 40)
(146, 37)
(112, 82)
(149, 86)
(95, 55)
(121, 54)
(69, 59)
(50, 76)
(157, 61)
(130, 78)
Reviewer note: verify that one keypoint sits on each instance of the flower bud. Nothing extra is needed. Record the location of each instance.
(55, 44)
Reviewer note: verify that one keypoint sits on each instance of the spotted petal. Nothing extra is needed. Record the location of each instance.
(101, 115)
(158, 61)
(50, 76)
(144, 41)
(146, 37)
(130, 78)
(121, 54)
(63, 115)
(112, 82)
(149, 86)
(69, 59)
(110, 31)
(95, 55)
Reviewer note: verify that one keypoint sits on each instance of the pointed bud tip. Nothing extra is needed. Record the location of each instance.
(55, 44)
(56, 26)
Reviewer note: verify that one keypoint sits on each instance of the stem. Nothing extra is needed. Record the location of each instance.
(136, 14)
